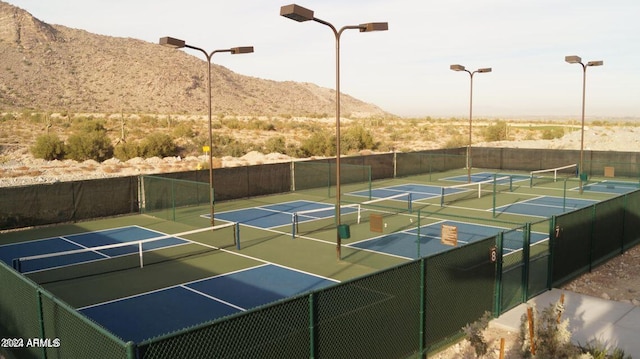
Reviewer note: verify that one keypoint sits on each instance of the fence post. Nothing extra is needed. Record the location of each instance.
(552, 244)
(312, 325)
(131, 350)
(497, 303)
(41, 318)
(422, 306)
(526, 255)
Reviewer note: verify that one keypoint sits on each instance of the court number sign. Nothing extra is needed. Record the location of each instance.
(493, 254)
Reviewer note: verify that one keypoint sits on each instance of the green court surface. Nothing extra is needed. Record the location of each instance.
(313, 250)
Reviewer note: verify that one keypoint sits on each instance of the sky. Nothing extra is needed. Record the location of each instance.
(405, 70)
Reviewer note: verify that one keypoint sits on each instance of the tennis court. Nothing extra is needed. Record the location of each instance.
(417, 191)
(158, 312)
(545, 206)
(280, 214)
(405, 244)
(606, 186)
(80, 242)
(484, 177)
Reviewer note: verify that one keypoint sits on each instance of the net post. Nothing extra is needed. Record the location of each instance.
(480, 188)
(140, 254)
(294, 220)
(370, 185)
(531, 180)
(236, 234)
(410, 202)
(564, 196)
(418, 232)
(495, 185)
(359, 212)
(16, 264)
(442, 197)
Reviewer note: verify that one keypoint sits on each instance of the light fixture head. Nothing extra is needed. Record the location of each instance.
(172, 42)
(242, 50)
(573, 59)
(296, 12)
(374, 26)
(595, 63)
(486, 69)
(457, 67)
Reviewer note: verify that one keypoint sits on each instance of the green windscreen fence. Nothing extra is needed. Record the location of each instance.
(537, 272)
(19, 314)
(29, 312)
(572, 244)
(450, 279)
(169, 198)
(346, 314)
(614, 169)
(276, 331)
(631, 218)
(589, 236)
(513, 267)
(66, 201)
(417, 163)
(322, 176)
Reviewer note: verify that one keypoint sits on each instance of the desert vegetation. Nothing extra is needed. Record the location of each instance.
(103, 136)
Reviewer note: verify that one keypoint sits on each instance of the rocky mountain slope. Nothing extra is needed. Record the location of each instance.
(55, 68)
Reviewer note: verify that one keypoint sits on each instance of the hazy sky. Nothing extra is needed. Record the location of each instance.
(405, 70)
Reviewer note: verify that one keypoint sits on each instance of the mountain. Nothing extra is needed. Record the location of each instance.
(55, 68)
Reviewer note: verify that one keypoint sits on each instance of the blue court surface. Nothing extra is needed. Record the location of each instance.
(611, 187)
(485, 176)
(280, 214)
(545, 206)
(404, 244)
(167, 310)
(80, 241)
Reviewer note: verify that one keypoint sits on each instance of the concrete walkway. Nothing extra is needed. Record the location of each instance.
(615, 324)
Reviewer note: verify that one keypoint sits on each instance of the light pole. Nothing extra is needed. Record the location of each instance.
(482, 70)
(300, 14)
(178, 44)
(577, 60)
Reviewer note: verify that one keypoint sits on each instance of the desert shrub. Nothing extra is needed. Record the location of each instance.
(158, 144)
(184, 130)
(551, 133)
(260, 125)
(474, 333)
(358, 138)
(275, 144)
(318, 144)
(456, 141)
(233, 124)
(90, 143)
(552, 337)
(236, 149)
(126, 151)
(294, 151)
(495, 132)
(48, 147)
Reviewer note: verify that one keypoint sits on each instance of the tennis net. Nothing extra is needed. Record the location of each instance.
(89, 261)
(308, 221)
(455, 193)
(551, 174)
